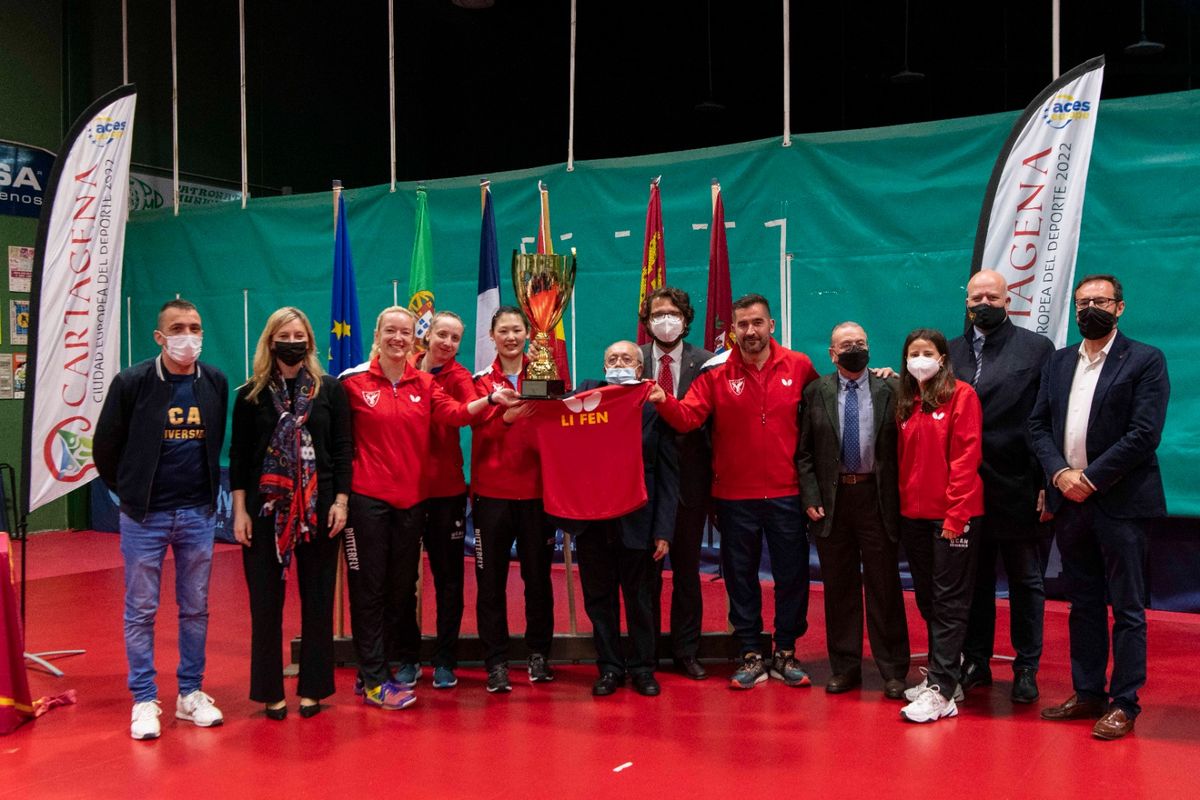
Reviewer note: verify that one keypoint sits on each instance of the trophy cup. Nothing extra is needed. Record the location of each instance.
(542, 283)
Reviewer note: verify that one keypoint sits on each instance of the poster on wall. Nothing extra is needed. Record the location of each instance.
(18, 321)
(20, 268)
(6, 376)
(19, 360)
(23, 173)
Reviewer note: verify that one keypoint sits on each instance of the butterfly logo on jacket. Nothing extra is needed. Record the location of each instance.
(416, 398)
(939, 415)
(371, 398)
(786, 381)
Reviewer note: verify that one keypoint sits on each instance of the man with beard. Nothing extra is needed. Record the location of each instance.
(1096, 424)
(673, 364)
(752, 394)
(1004, 364)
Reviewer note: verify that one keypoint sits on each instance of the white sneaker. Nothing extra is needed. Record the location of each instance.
(913, 692)
(929, 706)
(144, 724)
(198, 708)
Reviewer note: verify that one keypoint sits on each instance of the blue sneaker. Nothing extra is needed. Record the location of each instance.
(389, 696)
(444, 678)
(784, 667)
(751, 673)
(407, 674)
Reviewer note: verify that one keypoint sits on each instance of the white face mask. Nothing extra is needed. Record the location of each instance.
(620, 375)
(185, 348)
(666, 328)
(923, 367)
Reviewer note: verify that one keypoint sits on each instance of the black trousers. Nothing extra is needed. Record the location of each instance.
(445, 526)
(943, 573)
(383, 549)
(609, 570)
(498, 523)
(687, 608)
(266, 580)
(1024, 565)
(857, 539)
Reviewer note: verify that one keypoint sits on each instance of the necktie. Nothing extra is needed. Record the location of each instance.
(851, 456)
(978, 346)
(665, 379)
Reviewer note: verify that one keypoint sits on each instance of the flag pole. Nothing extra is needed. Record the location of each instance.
(1055, 38)
(242, 63)
(124, 41)
(392, 86)
(787, 73)
(174, 116)
(571, 104)
(339, 589)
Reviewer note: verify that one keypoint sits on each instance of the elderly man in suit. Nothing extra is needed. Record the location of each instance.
(848, 479)
(1004, 364)
(619, 556)
(667, 315)
(1097, 421)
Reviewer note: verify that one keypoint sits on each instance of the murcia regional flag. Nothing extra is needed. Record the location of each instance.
(1029, 226)
(74, 336)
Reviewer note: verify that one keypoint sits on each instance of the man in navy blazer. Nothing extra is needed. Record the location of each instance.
(1096, 423)
(618, 556)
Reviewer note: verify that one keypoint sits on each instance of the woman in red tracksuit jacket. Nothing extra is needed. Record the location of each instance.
(445, 506)
(393, 405)
(941, 501)
(506, 503)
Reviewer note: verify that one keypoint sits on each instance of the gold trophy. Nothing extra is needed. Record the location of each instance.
(543, 283)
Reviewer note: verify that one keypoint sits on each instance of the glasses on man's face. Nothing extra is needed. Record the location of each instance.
(620, 360)
(1099, 302)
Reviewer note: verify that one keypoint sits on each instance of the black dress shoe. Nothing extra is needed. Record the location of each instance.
(843, 682)
(690, 667)
(276, 714)
(1025, 688)
(606, 684)
(645, 684)
(308, 712)
(893, 689)
(974, 674)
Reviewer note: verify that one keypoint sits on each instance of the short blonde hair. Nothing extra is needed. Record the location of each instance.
(379, 325)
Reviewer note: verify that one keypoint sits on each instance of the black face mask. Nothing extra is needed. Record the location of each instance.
(854, 360)
(1095, 322)
(986, 317)
(290, 353)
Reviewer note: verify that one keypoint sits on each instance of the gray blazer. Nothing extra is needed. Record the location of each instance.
(819, 455)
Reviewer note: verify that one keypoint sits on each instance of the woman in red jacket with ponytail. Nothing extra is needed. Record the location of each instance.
(941, 501)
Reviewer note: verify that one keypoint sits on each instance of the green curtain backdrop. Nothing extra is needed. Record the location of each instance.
(880, 223)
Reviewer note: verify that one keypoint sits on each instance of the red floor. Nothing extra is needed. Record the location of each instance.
(697, 739)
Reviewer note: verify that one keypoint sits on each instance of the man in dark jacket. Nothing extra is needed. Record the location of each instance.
(1004, 364)
(157, 447)
(619, 555)
(848, 480)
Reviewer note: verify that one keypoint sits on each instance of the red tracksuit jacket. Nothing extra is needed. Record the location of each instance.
(940, 453)
(756, 421)
(504, 458)
(392, 430)
(443, 473)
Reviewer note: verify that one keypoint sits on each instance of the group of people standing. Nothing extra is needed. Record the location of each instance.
(960, 458)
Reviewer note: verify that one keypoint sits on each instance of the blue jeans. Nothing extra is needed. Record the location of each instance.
(744, 524)
(189, 532)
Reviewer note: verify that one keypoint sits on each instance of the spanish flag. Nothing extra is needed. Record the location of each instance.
(654, 255)
(545, 244)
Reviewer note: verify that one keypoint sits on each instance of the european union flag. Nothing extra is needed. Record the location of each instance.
(345, 341)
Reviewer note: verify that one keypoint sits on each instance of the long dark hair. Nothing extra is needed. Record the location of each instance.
(938, 389)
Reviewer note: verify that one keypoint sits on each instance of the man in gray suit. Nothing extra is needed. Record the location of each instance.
(667, 315)
(848, 482)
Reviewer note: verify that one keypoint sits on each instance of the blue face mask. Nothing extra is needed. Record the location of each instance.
(620, 375)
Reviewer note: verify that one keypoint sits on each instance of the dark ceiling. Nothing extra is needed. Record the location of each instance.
(487, 90)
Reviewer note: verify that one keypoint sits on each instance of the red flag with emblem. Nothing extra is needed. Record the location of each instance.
(718, 318)
(654, 255)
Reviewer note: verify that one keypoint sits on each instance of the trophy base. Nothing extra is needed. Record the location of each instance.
(542, 390)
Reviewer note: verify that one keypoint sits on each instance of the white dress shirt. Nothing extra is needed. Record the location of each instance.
(1079, 404)
(676, 355)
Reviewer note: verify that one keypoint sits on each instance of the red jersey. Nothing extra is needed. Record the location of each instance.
(504, 458)
(392, 430)
(940, 453)
(591, 451)
(443, 469)
(755, 420)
